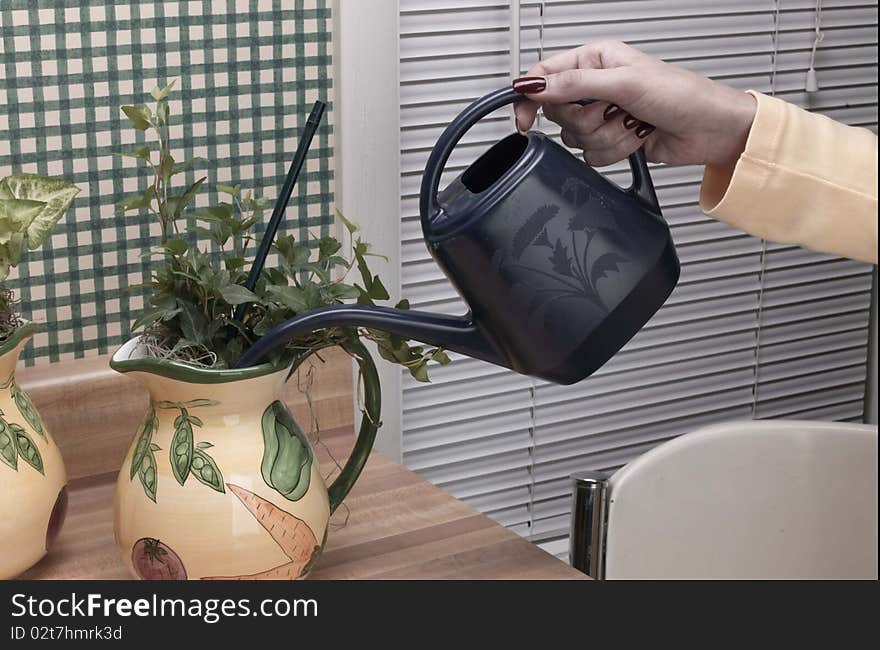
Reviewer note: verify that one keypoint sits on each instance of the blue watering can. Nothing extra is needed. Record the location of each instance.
(559, 266)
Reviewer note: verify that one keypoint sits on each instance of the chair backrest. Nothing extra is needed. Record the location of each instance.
(748, 499)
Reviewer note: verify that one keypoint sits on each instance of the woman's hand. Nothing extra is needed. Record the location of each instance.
(679, 116)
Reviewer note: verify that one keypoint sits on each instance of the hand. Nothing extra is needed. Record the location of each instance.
(679, 116)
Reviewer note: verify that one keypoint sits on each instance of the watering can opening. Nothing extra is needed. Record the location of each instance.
(494, 163)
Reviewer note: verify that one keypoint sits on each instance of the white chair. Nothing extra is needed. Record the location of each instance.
(763, 499)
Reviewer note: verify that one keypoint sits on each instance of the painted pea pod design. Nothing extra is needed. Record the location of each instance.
(147, 472)
(27, 410)
(8, 449)
(205, 470)
(182, 446)
(26, 447)
(145, 437)
(189, 459)
(186, 458)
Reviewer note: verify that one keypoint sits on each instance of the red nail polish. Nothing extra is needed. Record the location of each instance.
(529, 85)
(629, 121)
(611, 111)
(644, 130)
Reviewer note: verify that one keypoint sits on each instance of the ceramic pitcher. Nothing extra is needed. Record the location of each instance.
(220, 482)
(33, 492)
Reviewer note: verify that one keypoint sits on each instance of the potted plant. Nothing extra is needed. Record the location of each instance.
(33, 496)
(220, 480)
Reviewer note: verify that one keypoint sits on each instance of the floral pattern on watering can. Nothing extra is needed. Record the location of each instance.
(33, 492)
(220, 482)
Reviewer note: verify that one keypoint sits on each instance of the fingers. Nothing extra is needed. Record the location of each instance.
(580, 119)
(596, 125)
(525, 112)
(616, 85)
(597, 71)
(610, 156)
(613, 151)
(601, 54)
(616, 138)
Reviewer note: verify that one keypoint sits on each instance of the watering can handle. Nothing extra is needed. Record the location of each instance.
(642, 187)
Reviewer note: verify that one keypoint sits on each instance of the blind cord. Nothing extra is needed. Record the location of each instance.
(762, 270)
(515, 62)
(812, 84)
(541, 7)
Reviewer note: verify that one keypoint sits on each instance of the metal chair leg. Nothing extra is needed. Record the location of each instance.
(587, 539)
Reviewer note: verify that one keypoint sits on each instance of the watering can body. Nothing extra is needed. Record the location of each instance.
(559, 266)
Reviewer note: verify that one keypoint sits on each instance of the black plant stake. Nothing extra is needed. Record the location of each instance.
(280, 205)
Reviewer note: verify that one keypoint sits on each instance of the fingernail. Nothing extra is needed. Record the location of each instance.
(629, 121)
(611, 111)
(644, 130)
(529, 85)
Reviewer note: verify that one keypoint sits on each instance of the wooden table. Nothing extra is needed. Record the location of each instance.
(397, 525)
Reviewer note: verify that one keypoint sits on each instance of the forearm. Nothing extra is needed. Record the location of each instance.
(802, 179)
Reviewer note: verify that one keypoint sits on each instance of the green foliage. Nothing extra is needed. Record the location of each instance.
(196, 288)
(30, 206)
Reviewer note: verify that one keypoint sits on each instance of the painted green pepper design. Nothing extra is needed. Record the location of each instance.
(287, 455)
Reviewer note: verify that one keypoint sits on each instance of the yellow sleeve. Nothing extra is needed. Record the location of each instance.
(803, 179)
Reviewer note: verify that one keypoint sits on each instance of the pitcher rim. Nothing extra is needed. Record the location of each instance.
(21, 334)
(179, 371)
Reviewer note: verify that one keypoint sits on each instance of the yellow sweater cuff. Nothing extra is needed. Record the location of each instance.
(719, 194)
(802, 179)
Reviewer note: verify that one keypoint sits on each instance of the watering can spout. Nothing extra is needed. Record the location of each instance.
(456, 333)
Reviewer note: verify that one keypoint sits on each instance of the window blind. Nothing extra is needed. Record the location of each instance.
(754, 329)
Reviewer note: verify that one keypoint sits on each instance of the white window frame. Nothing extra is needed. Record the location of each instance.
(367, 158)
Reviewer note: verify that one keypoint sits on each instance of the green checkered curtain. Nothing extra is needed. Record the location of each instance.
(247, 75)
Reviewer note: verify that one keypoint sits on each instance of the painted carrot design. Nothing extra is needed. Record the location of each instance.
(291, 533)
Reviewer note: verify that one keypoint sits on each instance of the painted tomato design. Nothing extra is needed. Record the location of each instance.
(154, 560)
(59, 510)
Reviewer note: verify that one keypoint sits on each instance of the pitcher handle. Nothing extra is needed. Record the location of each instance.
(641, 188)
(363, 445)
